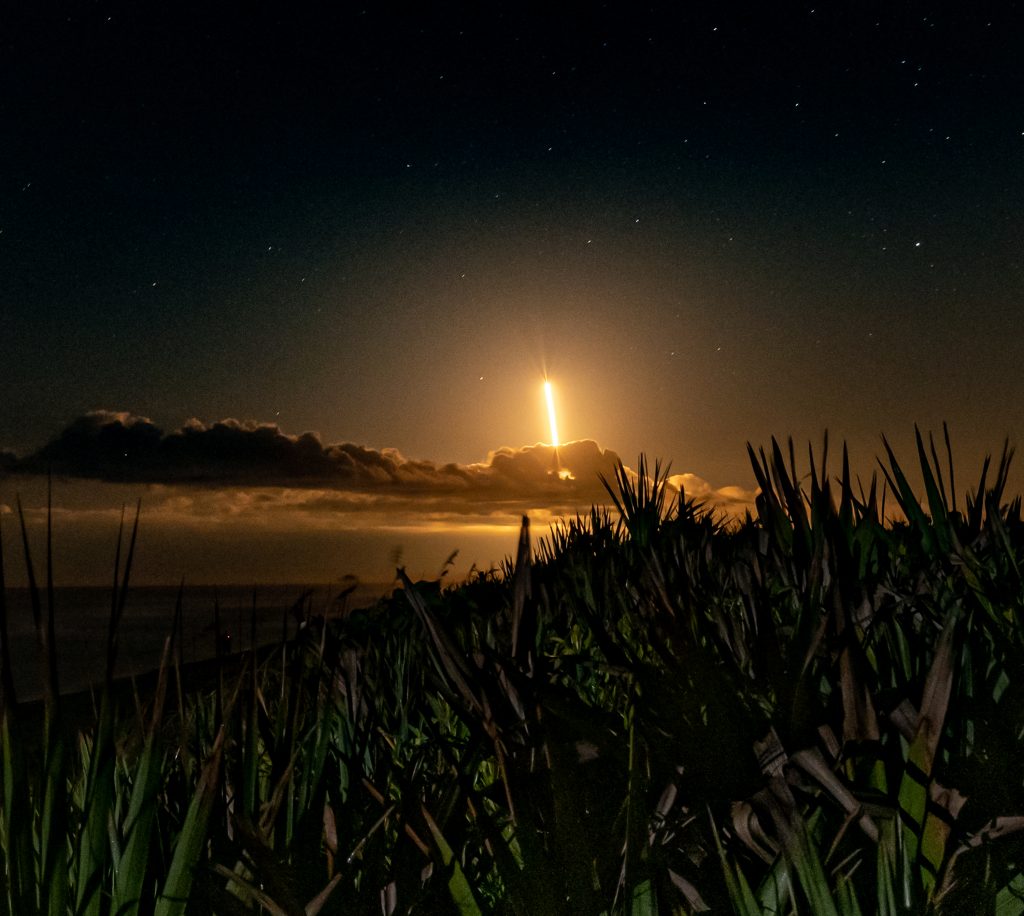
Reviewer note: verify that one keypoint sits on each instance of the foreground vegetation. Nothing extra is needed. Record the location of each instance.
(815, 711)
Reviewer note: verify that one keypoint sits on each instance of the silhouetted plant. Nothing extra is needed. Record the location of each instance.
(649, 711)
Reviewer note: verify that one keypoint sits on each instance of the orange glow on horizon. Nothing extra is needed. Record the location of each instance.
(551, 413)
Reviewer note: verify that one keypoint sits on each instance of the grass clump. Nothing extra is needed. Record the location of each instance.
(816, 710)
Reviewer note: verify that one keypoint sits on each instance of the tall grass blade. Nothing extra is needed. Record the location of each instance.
(139, 822)
(16, 825)
(458, 886)
(51, 814)
(924, 834)
(521, 594)
(191, 841)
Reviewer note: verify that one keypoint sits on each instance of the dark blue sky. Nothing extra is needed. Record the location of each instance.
(709, 224)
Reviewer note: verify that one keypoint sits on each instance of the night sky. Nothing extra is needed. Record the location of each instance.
(705, 224)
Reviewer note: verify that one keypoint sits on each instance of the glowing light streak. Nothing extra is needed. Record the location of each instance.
(551, 414)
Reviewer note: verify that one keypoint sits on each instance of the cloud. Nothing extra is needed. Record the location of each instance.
(262, 468)
(732, 499)
(119, 447)
(239, 501)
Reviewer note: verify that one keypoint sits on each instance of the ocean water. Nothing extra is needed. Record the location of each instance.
(82, 615)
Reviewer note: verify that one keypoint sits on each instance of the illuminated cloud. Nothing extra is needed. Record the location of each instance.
(243, 501)
(732, 500)
(123, 448)
(257, 467)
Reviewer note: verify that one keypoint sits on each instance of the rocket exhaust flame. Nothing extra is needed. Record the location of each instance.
(551, 414)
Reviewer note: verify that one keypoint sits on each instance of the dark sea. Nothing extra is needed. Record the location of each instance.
(82, 615)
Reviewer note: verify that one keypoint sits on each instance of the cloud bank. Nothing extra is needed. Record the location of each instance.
(261, 465)
(243, 501)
